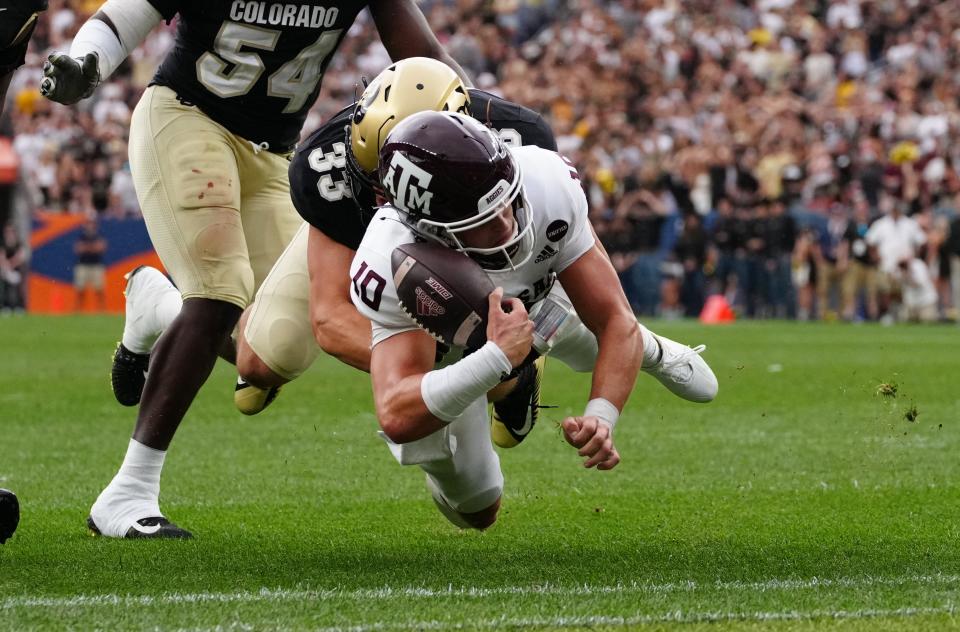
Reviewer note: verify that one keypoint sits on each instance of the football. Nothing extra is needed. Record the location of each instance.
(444, 291)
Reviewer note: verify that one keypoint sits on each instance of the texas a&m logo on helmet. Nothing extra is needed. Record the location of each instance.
(406, 185)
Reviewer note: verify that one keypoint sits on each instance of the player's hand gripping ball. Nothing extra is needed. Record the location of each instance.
(444, 291)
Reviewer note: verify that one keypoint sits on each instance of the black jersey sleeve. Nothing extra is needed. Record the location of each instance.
(319, 186)
(516, 124)
(17, 21)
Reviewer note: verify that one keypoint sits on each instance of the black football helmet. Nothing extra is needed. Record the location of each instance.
(447, 173)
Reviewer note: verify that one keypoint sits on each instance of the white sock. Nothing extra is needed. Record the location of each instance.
(133, 494)
(651, 348)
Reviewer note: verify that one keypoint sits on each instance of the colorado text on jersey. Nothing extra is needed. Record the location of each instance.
(258, 12)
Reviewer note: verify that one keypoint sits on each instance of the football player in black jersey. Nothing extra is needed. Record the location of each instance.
(210, 142)
(333, 184)
(17, 21)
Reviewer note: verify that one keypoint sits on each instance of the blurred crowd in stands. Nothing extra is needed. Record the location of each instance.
(798, 157)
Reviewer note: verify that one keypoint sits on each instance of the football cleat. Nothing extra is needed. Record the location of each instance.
(515, 415)
(250, 399)
(683, 371)
(154, 528)
(128, 375)
(129, 372)
(9, 514)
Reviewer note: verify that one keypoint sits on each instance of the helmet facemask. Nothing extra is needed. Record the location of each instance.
(365, 187)
(504, 196)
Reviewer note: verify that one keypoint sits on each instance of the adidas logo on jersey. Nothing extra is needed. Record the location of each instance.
(547, 252)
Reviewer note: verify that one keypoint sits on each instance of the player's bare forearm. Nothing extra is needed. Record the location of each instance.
(338, 327)
(345, 336)
(397, 367)
(405, 32)
(595, 292)
(618, 361)
(402, 413)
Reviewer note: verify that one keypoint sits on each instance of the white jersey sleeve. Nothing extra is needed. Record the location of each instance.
(559, 205)
(371, 276)
(579, 238)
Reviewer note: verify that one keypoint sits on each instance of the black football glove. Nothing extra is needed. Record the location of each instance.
(67, 80)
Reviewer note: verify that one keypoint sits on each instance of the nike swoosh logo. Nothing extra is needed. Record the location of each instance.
(527, 425)
(146, 530)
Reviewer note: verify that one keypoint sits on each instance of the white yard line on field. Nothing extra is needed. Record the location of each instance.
(589, 621)
(407, 592)
(677, 616)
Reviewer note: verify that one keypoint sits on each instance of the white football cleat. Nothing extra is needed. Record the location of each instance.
(146, 287)
(683, 371)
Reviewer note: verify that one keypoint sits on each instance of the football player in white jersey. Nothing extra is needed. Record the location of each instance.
(522, 215)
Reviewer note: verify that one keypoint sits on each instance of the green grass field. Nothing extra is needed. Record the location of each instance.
(801, 499)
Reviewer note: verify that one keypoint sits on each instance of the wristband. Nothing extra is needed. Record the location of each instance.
(449, 391)
(603, 410)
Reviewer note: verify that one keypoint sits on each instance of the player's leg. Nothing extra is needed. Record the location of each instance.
(278, 325)
(152, 302)
(188, 184)
(275, 342)
(463, 470)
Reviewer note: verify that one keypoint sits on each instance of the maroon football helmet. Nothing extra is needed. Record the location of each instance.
(447, 173)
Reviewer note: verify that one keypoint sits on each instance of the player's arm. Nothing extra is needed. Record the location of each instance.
(99, 47)
(593, 288)
(405, 32)
(339, 328)
(413, 401)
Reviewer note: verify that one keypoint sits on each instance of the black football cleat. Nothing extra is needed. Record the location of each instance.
(9, 514)
(515, 415)
(128, 375)
(157, 528)
(129, 372)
